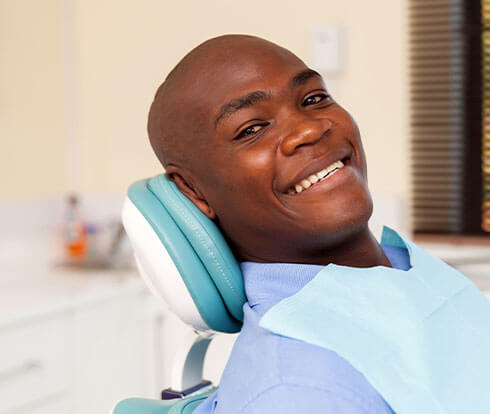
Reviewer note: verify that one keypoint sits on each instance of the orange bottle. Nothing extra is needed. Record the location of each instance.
(75, 232)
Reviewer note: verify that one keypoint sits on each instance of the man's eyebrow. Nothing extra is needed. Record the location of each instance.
(302, 77)
(257, 96)
(240, 103)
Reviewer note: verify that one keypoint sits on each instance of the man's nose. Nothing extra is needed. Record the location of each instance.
(303, 130)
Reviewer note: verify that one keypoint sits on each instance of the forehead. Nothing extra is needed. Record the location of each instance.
(222, 77)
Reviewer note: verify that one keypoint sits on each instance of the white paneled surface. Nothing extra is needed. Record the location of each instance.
(71, 340)
(80, 346)
(109, 349)
(33, 361)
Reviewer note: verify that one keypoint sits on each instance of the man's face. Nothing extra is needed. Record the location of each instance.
(270, 124)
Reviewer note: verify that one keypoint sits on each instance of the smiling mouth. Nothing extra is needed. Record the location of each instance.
(317, 177)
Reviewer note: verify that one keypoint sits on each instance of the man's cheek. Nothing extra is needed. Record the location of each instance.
(259, 160)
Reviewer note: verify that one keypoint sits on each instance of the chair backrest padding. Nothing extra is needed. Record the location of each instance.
(198, 250)
(207, 241)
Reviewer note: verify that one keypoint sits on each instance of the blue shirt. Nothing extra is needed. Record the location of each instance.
(268, 373)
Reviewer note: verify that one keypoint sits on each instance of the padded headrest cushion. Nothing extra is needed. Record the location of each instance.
(198, 249)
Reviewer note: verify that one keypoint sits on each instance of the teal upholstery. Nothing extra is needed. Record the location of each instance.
(187, 406)
(143, 405)
(146, 406)
(198, 249)
(206, 264)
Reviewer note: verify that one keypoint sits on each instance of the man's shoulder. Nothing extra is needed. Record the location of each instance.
(263, 365)
(293, 398)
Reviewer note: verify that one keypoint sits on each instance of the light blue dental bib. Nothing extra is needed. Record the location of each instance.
(421, 337)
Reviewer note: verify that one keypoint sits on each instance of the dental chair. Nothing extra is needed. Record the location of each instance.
(185, 261)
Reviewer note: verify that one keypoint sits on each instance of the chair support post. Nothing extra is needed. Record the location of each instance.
(189, 362)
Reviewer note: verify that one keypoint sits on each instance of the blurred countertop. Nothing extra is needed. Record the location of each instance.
(61, 289)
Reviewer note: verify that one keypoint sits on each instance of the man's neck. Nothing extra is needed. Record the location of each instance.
(357, 249)
(360, 250)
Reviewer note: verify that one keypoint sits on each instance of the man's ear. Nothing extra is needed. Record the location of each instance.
(187, 188)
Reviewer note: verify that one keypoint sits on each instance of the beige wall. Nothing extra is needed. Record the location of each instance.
(122, 51)
(32, 160)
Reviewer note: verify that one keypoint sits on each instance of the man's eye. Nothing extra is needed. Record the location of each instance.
(253, 129)
(311, 100)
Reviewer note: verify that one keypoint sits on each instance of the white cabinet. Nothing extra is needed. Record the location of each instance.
(32, 362)
(81, 357)
(51, 406)
(109, 349)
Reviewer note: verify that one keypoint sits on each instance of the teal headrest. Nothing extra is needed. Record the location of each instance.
(199, 251)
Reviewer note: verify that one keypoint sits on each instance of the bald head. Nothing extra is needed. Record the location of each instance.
(178, 117)
(239, 125)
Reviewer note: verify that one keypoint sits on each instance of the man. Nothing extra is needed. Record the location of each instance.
(252, 137)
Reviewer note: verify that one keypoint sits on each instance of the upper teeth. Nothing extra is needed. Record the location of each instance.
(316, 177)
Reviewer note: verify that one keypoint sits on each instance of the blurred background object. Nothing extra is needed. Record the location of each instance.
(449, 69)
(78, 330)
(446, 85)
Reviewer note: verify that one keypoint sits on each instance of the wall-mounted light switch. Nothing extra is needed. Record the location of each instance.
(326, 48)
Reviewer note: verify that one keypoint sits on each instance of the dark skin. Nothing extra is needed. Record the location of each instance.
(260, 121)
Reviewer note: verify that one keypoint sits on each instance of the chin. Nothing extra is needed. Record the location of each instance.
(344, 217)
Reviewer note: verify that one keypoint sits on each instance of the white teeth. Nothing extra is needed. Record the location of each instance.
(322, 173)
(314, 178)
(306, 184)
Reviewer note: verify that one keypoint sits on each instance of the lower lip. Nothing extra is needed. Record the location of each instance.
(331, 181)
